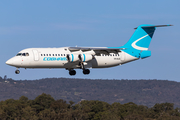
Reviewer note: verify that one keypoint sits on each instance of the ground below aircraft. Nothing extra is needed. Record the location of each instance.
(84, 58)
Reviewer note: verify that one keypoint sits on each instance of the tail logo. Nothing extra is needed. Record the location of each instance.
(137, 47)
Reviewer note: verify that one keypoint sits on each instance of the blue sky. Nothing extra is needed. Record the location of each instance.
(26, 24)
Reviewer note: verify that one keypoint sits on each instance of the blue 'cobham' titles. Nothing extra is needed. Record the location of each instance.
(54, 59)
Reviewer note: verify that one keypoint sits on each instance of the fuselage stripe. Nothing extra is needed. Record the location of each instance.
(72, 57)
(84, 57)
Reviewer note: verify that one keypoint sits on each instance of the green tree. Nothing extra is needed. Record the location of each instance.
(42, 102)
(23, 99)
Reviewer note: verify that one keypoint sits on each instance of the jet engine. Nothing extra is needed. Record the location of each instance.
(85, 57)
(72, 57)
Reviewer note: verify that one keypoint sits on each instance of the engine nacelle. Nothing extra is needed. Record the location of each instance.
(85, 57)
(72, 57)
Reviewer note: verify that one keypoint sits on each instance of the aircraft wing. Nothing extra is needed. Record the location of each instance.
(100, 50)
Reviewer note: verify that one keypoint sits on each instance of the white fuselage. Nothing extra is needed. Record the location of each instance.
(57, 58)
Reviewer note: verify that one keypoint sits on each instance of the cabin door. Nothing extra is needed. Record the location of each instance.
(122, 56)
(36, 55)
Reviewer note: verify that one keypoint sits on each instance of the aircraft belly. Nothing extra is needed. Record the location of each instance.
(104, 61)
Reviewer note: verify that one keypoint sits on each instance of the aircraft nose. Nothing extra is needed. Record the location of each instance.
(9, 62)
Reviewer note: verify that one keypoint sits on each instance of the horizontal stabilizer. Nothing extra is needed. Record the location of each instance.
(154, 26)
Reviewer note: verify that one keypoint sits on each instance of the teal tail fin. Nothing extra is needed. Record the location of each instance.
(140, 40)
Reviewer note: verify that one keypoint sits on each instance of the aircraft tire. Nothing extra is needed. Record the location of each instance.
(86, 71)
(72, 72)
(17, 71)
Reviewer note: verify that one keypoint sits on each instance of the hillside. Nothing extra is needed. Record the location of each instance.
(141, 92)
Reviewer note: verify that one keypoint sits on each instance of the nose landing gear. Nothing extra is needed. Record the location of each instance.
(17, 71)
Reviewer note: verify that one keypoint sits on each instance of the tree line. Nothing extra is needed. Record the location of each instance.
(45, 107)
(140, 92)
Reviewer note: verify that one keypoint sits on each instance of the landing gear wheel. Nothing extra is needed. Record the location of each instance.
(72, 72)
(86, 71)
(17, 71)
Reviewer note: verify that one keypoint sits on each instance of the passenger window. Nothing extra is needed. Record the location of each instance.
(41, 54)
(53, 54)
(64, 55)
(46, 54)
(49, 54)
(56, 54)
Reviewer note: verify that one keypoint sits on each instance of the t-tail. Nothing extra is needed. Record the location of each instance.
(139, 43)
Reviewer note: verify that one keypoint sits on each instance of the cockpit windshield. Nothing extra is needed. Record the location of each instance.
(22, 54)
(19, 54)
(27, 54)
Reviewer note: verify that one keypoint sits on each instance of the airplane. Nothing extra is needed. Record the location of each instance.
(84, 58)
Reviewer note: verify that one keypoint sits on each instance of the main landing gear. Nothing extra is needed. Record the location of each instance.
(85, 71)
(17, 71)
(73, 72)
